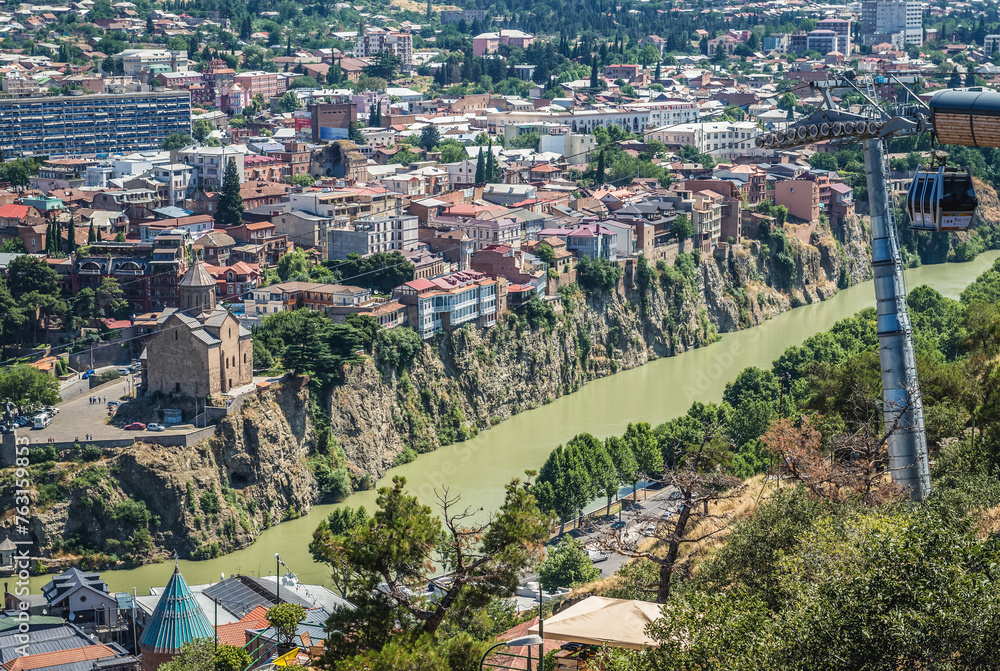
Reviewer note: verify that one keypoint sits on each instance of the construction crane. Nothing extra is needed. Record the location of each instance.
(939, 199)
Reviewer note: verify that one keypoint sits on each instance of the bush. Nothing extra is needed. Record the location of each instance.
(598, 275)
(567, 565)
(131, 513)
(109, 375)
(91, 453)
(398, 347)
(538, 313)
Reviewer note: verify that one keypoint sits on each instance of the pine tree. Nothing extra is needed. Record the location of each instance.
(91, 235)
(481, 168)
(229, 211)
(428, 10)
(600, 168)
(71, 237)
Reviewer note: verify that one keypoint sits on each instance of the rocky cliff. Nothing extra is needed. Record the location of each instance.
(468, 380)
(204, 500)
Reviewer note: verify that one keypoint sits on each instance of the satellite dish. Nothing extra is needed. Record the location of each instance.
(72, 616)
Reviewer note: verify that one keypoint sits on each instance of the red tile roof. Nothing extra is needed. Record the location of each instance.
(58, 658)
(11, 211)
(234, 632)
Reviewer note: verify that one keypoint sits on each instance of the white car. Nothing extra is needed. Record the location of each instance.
(597, 556)
(155, 427)
(650, 530)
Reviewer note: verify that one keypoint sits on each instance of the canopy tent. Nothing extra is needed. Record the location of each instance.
(598, 621)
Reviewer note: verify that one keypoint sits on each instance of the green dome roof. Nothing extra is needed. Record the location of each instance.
(176, 619)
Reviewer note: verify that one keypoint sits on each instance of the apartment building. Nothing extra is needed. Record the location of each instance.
(842, 27)
(634, 118)
(209, 164)
(267, 83)
(57, 126)
(800, 196)
(721, 139)
(891, 20)
(483, 232)
(349, 203)
(445, 303)
(376, 40)
(371, 235)
(990, 45)
(822, 41)
(467, 15)
(288, 296)
(154, 61)
(488, 43)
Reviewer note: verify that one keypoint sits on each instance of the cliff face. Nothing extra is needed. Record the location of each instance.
(383, 416)
(202, 501)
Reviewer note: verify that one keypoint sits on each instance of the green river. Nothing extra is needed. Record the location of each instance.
(478, 469)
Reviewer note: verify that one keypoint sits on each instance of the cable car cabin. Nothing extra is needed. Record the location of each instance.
(941, 200)
(968, 118)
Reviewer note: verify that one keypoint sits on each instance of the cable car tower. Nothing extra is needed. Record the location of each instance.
(939, 199)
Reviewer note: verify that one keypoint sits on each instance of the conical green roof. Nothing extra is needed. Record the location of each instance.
(176, 619)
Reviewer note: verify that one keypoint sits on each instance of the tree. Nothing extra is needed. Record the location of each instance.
(822, 160)
(231, 658)
(71, 237)
(195, 655)
(567, 565)
(481, 167)
(781, 214)
(201, 128)
(545, 252)
(452, 151)
(429, 137)
(289, 102)
(380, 561)
(101, 10)
(367, 326)
(110, 301)
(380, 272)
(91, 234)
(176, 141)
(385, 65)
(229, 211)
(564, 485)
(600, 169)
(594, 81)
(309, 344)
(648, 456)
(28, 387)
(28, 273)
(302, 179)
(955, 81)
(17, 173)
(285, 618)
(598, 275)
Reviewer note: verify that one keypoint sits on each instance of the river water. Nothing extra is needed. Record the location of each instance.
(477, 469)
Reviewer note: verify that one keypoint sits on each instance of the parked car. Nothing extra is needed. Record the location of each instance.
(41, 421)
(53, 411)
(124, 371)
(617, 524)
(155, 427)
(114, 404)
(87, 374)
(650, 530)
(135, 426)
(22, 421)
(596, 555)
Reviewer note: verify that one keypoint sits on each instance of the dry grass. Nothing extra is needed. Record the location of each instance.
(987, 522)
(724, 515)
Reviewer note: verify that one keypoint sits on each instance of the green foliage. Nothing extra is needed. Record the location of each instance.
(429, 137)
(210, 503)
(309, 343)
(229, 211)
(598, 275)
(131, 513)
(285, 618)
(231, 658)
(28, 387)
(567, 565)
(195, 655)
(293, 264)
(381, 272)
(397, 348)
(539, 313)
(176, 141)
(29, 273)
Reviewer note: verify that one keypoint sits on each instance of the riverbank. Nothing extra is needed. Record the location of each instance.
(477, 469)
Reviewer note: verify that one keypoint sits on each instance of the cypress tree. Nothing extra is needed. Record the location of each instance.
(428, 10)
(91, 235)
(656, 76)
(600, 168)
(481, 168)
(229, 211)
(593, 72)
(71, 237)
(48, 237)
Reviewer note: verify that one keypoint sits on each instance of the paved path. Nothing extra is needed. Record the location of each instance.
(78, 417)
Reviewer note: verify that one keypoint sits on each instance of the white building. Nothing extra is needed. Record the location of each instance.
(990, 44)
(153, 60)
(376, 40)
(372, 235)
(882, 19)
(209, 163)
(721, 139)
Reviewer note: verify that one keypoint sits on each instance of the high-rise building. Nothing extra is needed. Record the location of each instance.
(891, 21)
(376, 40)
(843, 29)
(92, 124)
(990, 44)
